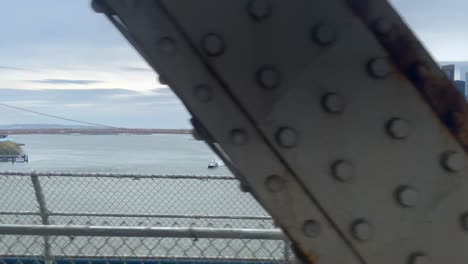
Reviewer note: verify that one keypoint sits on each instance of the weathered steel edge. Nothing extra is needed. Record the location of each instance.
(411, 58)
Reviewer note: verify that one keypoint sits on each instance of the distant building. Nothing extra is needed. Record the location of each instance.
(460, 86)
(463, 73)
(449, 71)
(466, 81)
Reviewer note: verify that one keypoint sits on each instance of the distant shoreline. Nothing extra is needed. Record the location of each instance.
(93, 131)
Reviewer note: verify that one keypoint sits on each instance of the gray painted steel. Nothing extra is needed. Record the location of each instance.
(316, 119)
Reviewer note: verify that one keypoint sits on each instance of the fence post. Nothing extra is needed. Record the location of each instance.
(286, 251)
(43, 212)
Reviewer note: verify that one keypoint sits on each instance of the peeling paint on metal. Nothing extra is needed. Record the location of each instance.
(417, 66)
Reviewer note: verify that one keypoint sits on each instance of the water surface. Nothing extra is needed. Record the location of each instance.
(159, 154)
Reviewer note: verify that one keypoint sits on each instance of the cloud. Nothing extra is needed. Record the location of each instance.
(21, 102)
(10, 68)
(114, 107)
(136, 69)
(79, 105)
(66, 81)
(81, 97)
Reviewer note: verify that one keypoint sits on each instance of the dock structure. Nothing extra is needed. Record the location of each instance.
(11, 151)
(22, 158)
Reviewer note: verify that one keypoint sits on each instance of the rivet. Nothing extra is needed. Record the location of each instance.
(167, 45)
(213, 44)
(199, 132)
(453, 161)
(311, 228)
(162, 79)
(398, 128)
(203, 92)
(259, 9)
(422, 70)
(97, 6)
(342, 170)
(382, 26)
(238, 137)
(378, 67)
(196, 134)
(419, 258)
(286, 137)
(244, 187)
(419, 72)
(464, 221)
(333, 103)
(455, 119)
(268, 77)
(323, 34)
(407, 196)
(274, 183)
(362, 230)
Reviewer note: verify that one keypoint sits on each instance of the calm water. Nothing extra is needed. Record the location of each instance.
(160, 154)
(157, 154)
(170, 201)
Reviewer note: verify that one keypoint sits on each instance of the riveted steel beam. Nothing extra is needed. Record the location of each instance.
(321, 116)
(165, 46)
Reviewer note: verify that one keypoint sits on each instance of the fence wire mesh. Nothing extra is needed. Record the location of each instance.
(132, 201)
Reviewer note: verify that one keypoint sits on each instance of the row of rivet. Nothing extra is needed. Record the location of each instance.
(275, 184)
(269, 77)
(398, 128)
(451, 161)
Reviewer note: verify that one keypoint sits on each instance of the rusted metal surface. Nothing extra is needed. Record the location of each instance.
(282, 143)
(411, 58)
(307, 257)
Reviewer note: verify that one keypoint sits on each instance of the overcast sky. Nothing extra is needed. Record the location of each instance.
(62, 47)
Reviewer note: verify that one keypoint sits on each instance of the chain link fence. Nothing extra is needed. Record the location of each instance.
(96, 217)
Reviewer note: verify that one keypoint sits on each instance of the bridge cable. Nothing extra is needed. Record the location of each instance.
(57, 117)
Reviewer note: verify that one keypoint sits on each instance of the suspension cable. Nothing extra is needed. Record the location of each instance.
(57, 117)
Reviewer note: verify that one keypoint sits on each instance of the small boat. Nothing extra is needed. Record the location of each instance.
(215, 163)
(212, 164)
(23, 158)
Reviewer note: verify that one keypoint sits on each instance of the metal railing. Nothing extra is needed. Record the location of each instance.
(132, 217)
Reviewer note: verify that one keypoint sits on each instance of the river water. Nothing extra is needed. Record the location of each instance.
(149, 154)
(155, 154)
(115, 201)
